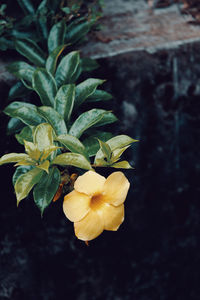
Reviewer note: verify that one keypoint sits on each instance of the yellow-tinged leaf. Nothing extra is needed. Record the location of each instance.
(43, 136)
(122, 165)
(48, 151)
(119, 141)
(13, 158)
(105, 149)
(32, 150)
(117, 153)
(25, 183)
(44, 166)
(26, 162)
(101, 163)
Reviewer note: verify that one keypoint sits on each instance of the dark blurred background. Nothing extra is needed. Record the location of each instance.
(155, 255)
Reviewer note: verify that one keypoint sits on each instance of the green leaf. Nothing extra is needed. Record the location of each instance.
(45, 86)
(99, 95)
(72, 159)
(106, 150)
(56, 35)
(26, 84)
(119, 141)
(41, 23)
(22, 70)
(26, 182)
(31, 51)
(18, 90)
(42, 27)
(53, 118)
(6, 43)
(26, 112)
(53, 58)
(14, 125)
(67, 68)
(122, 165)
(42, 7)
(45, 190)
(73, 144)
(76, 75)
(88, 64)
(85, 121)
(43, 136)
(91, 143)
(106, 119)
(20, 171)
(44, 166)
(64, 101)
(26, 6)
(12, 158)
(25, 134)
(66, 10)
(19, 34)
(76, 31)
(85, 89)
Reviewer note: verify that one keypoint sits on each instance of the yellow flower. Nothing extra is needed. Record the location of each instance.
(96, 204)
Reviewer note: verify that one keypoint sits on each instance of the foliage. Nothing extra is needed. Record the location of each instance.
(60, 137)
(33, 19)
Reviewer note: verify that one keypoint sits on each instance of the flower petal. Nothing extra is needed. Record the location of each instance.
(89, 227)
(90, 183)
(112, 216)
(76, 206)
(116, 188)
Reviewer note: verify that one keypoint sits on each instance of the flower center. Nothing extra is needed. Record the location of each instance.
(96, 201)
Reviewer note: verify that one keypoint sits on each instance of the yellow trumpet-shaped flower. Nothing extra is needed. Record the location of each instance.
(96, 204)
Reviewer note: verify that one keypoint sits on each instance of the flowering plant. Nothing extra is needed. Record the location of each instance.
(61, 139)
